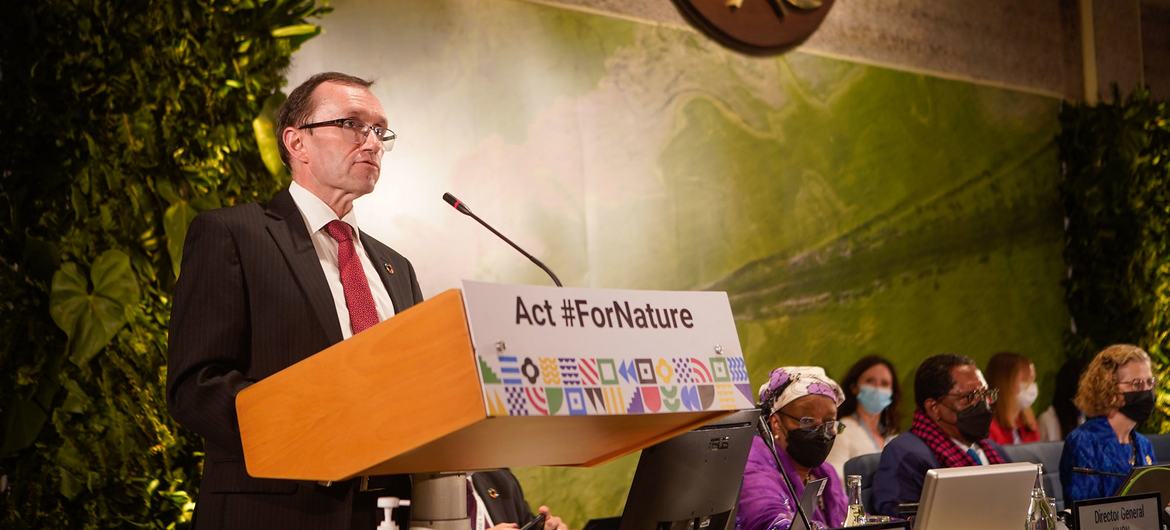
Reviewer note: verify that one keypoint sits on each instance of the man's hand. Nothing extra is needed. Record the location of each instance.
(505, 526)
(552, 522)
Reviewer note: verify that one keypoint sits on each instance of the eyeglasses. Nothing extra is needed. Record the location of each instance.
(988, 394)
(829, 428)
(1140, 383)
(359, 130)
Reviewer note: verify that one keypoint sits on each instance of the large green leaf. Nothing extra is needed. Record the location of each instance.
(22, 422)
(91, 318)
(70, 465)
(264, 127)
(175, 221)
(296, 30)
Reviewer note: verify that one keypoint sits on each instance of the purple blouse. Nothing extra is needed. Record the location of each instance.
(764, 502)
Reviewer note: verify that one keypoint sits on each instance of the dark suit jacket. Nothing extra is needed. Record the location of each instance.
(503, 497)
(902, 470)
(252, 299)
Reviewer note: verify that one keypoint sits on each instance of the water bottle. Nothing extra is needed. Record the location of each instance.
(1041, 516)
(856, 514)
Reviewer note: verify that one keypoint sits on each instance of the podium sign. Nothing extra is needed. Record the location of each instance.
(552, 351)
(548, 377)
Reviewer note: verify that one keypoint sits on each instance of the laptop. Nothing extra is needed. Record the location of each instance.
(976, 497)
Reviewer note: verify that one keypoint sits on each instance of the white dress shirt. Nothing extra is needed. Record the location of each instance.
(978, 450)
(483, 521)
(316, 215)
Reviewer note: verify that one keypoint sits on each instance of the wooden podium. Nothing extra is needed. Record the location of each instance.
(413, 395)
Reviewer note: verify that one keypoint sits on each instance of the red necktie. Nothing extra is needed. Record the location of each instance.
(359, 301)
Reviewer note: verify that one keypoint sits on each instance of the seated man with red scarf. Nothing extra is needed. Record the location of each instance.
(951, 422)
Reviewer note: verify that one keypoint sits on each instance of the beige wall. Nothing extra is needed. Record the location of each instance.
(1032, 45)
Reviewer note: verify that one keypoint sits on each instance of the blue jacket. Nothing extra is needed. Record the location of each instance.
(1094, 445)
(902, 469)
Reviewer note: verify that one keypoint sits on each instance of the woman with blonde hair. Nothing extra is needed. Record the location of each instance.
(1015, 377)
(1116, 393)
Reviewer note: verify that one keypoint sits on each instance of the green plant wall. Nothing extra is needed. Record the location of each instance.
(1116, 193)
(120, 121)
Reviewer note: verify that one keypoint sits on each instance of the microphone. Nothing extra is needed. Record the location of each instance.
(766, 433)
(462, 208)
(1091, 471)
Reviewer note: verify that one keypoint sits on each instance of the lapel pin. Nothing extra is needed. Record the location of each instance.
(389, 268)
(493, 493)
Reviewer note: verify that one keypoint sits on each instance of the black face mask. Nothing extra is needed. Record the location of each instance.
(809, 448)
(974, 422)
(1138, 405)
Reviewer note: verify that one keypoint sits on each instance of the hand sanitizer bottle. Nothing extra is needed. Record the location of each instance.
(388, 504)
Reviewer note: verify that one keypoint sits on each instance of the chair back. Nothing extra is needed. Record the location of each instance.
(1048, 454)
(1161, 443)
(866, 466)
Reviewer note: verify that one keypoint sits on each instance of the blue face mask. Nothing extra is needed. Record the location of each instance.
(875, 399)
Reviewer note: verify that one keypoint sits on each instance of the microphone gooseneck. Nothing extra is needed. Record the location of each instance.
(463, 209)
(1091, 471)
(766, 434)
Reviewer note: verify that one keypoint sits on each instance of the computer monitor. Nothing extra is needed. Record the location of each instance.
(976, 497)
(692, 480)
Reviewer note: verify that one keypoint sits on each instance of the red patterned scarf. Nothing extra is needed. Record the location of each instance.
(945, 451)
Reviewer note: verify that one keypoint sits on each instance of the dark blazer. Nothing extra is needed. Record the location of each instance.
(252, 299)
(503, 497)
(902, 471)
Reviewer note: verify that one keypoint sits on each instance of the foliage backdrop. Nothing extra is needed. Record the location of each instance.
(120, 121)
(1116, 194)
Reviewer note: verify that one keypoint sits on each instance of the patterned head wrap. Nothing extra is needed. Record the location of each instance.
(787, 383)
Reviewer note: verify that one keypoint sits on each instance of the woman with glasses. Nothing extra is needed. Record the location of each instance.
(801, 406)
(1116, 394)
(1015, 377)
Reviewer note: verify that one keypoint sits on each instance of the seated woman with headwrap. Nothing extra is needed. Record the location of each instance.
(802, 404)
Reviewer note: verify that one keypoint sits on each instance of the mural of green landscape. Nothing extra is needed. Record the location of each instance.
(847, 209)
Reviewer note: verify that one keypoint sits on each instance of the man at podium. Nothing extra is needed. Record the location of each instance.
(265, 285)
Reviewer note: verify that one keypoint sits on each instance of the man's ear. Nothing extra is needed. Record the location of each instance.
(930, 407)
(294, 144)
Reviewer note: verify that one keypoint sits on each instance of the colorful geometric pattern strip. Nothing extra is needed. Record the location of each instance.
(527, 385)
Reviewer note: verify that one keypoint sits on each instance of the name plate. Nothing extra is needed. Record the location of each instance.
(1132, 512)
(568, 352)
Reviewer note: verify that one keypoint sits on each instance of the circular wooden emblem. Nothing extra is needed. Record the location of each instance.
(757, 27)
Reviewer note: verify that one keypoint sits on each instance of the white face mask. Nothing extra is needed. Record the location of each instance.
(1028, 395)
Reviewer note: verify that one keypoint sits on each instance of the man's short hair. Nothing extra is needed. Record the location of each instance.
(295, 110)
(933, 379)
